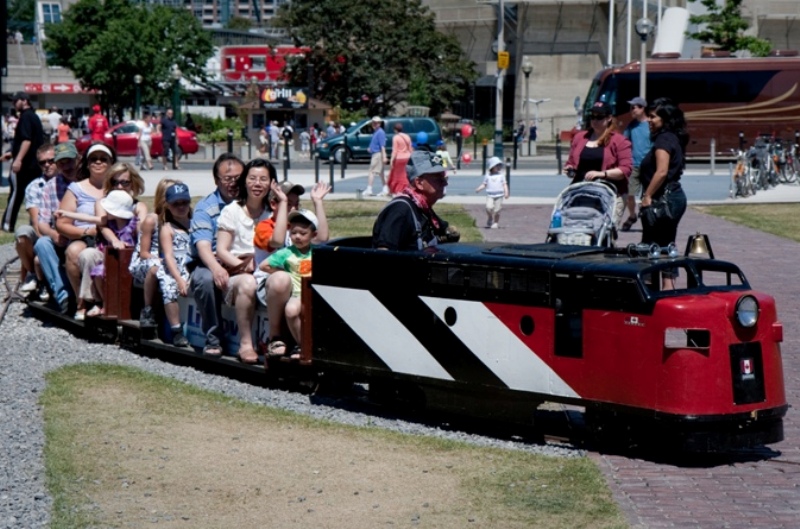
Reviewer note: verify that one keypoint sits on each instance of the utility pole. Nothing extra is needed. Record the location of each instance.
(502, 64)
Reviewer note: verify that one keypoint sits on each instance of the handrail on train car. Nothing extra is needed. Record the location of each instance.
(118, 286)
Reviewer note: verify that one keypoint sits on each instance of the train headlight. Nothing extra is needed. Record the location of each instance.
(747, 311)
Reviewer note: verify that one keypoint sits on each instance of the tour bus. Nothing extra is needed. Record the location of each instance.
(720, 97)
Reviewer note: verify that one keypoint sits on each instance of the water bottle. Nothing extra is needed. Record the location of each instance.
(556, 223)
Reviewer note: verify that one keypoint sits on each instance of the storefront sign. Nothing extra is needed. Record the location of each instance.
(288, 98)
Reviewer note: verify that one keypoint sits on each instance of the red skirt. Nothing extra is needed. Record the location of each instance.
(398, 179)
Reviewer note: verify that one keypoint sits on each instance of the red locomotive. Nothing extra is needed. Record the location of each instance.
(495, 330)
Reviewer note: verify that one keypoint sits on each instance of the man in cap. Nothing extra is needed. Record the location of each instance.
(28, 137)
(377, 151)
(50, 245)
(638, 133)
(209, 278)
(169, 138)
(408, 222)
(98, 124)
(27, 234)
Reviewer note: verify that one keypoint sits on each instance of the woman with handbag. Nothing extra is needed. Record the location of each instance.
(663, 201)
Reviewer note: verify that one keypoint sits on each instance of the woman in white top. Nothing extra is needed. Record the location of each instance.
(145, 140)
(235, 250)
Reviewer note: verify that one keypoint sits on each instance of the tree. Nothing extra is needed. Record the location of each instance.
(21, 16)
(725, 26)
(367, 53)
(241, 23)
(106, 44)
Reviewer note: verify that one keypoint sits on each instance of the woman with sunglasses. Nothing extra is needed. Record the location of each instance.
(80, 197)
(601, 153)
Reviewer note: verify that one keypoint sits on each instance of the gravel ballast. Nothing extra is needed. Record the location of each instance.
(31, 348)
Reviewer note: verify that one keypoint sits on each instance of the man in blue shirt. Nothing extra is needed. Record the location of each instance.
(377, 151)
(638, 133)
(209, 278)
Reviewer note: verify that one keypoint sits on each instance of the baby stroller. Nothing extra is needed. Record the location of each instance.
(586, 212)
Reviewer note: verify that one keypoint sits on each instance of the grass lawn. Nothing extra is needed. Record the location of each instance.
(782, 220)
(128, 449)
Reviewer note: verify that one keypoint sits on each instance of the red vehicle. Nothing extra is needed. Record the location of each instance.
(720, 97)
(264, 63)
(123, 138)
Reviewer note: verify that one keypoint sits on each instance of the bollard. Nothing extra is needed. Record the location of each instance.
(330, 166)
(316, 168)
(285, 172)
(213, 150)
(459, 144)
(516, 148)
(344, 162)
(508, 173)
(485, 151)
(174, 147)
(230, 140)
(558, 153)
(249, 150)
(287, 163)
(474, 146)
(713, 154)
(269, 146)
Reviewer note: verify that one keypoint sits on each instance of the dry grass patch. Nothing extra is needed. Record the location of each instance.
(125, 449)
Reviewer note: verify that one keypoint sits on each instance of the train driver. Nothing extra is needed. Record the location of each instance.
(408, 221)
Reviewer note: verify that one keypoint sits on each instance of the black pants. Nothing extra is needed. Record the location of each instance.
(16, 196)
(665, 230)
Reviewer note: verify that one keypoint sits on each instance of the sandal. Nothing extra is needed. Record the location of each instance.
(95, 311)
(248, 357)
(293, 356)
(626, 226)
(212, 350)
(276, 347)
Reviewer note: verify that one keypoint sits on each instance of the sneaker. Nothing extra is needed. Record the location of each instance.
(495, 226)
(146, 318)
(384, 191)
(368, 193)
(29, 286)
(44, 295)
(179, 340)
(63, 306)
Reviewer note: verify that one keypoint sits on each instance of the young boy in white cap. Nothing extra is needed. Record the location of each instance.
(296, 261)
(494, 182)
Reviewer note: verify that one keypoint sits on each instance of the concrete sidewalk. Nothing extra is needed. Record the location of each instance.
(528, 186)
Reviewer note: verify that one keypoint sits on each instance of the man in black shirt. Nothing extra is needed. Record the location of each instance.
(408, 222)
(169, 139)
(28, 137)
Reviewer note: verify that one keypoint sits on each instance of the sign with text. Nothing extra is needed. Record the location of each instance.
(285, 97)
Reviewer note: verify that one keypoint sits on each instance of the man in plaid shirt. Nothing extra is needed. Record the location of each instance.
(26, 234)
(50, 246)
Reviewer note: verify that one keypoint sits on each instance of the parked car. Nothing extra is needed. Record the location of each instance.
(127, 143)
(355, 141)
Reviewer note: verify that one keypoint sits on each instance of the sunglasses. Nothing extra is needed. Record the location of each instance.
(180, 203)
(47, 162)
(123, 183)
(99, 159)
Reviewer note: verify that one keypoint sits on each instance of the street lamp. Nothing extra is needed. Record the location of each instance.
(527, 68)
(137, 80)
(176, 93)
(644, 28)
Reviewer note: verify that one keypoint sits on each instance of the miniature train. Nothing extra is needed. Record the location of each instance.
(495, 330)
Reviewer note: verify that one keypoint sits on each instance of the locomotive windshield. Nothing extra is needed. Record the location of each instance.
(693, 276)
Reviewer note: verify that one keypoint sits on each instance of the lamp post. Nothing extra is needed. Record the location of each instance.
(137, 80)
(176, 93)
(644, 27)
(498, 117)
(527, 68)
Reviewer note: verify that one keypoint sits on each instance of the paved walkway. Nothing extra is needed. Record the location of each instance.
(760, 492)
